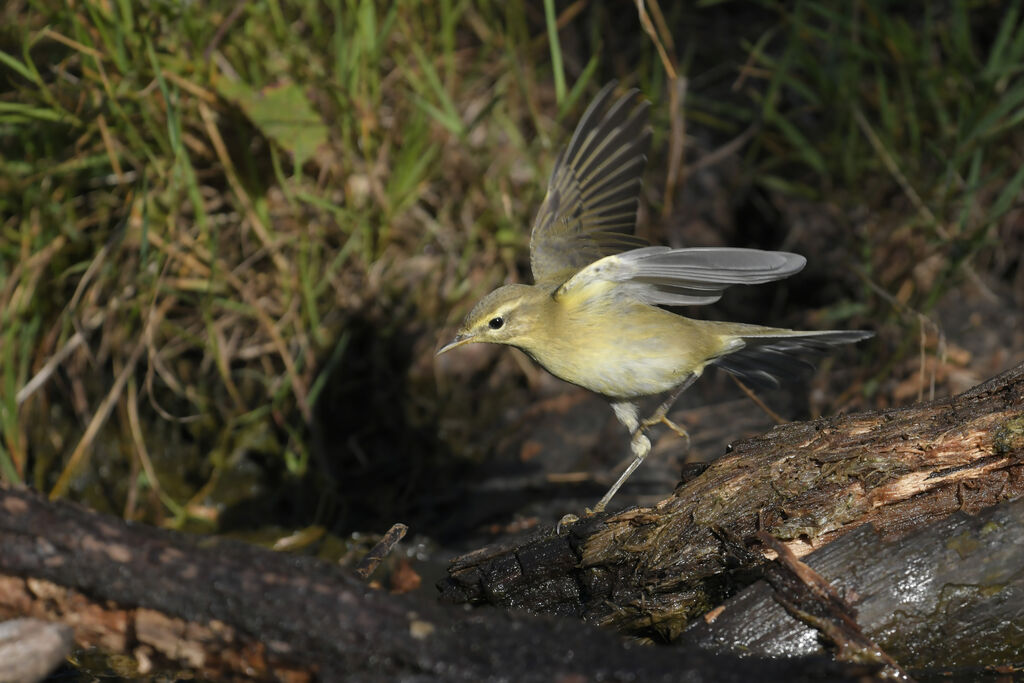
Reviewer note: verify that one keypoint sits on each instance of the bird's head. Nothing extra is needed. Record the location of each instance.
(508, 315)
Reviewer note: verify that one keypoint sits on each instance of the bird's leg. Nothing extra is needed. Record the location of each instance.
(627, 413)
(661, 414)
(641, 446)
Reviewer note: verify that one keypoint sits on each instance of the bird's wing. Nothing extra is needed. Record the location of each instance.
(680, 277)
(590, 207)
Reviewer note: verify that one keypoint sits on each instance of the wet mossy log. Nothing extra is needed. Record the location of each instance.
(651, 571)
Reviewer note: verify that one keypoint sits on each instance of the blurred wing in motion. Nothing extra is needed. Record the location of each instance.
(681, 277)
(590, 207)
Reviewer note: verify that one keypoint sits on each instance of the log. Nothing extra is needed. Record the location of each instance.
(948, 597)
(651, 571)
(230, 611)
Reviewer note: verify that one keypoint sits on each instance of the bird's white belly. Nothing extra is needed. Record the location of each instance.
(621, 368)
(653, 375)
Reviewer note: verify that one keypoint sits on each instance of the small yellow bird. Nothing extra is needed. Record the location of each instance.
(593, 318)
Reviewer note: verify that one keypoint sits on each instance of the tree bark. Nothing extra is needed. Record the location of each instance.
(650, 571)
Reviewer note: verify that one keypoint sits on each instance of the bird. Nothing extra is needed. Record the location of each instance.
(595, 315)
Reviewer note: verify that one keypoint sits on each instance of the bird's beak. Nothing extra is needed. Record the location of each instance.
(459, 340)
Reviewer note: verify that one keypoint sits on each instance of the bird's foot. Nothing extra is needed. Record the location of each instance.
(565, 522)
(678, 429)
(569, 519)
(662, 419)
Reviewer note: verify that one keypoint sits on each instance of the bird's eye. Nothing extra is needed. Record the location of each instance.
(496, 323)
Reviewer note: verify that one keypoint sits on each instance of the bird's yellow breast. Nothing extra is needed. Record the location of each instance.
(621, 348)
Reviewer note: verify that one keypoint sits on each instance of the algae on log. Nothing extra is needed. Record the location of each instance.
(650, 571)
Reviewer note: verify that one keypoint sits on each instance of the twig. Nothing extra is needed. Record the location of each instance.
(729, 148)
(807, 596)
(761, 404)
(661, 36)
(40, 378)
(377, 554)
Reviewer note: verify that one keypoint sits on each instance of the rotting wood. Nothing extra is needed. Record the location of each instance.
(650, 571)
(231, 611)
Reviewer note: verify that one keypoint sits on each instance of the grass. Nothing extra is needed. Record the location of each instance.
(925, 100)
(220, 226)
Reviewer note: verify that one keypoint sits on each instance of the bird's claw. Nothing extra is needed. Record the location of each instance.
(679, 430)
(566, 521)
(662, 419)
(569, 519)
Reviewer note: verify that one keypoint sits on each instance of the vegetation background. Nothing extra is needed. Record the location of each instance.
(232, 236)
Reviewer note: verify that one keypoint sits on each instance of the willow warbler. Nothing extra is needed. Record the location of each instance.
(594, 316)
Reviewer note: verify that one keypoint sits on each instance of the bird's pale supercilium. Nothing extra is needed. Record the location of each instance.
(594, 315)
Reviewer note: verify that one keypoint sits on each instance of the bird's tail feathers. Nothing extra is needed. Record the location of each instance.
(770, 357)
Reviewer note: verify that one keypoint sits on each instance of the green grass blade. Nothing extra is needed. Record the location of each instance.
(14, 65)
(556, 50)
